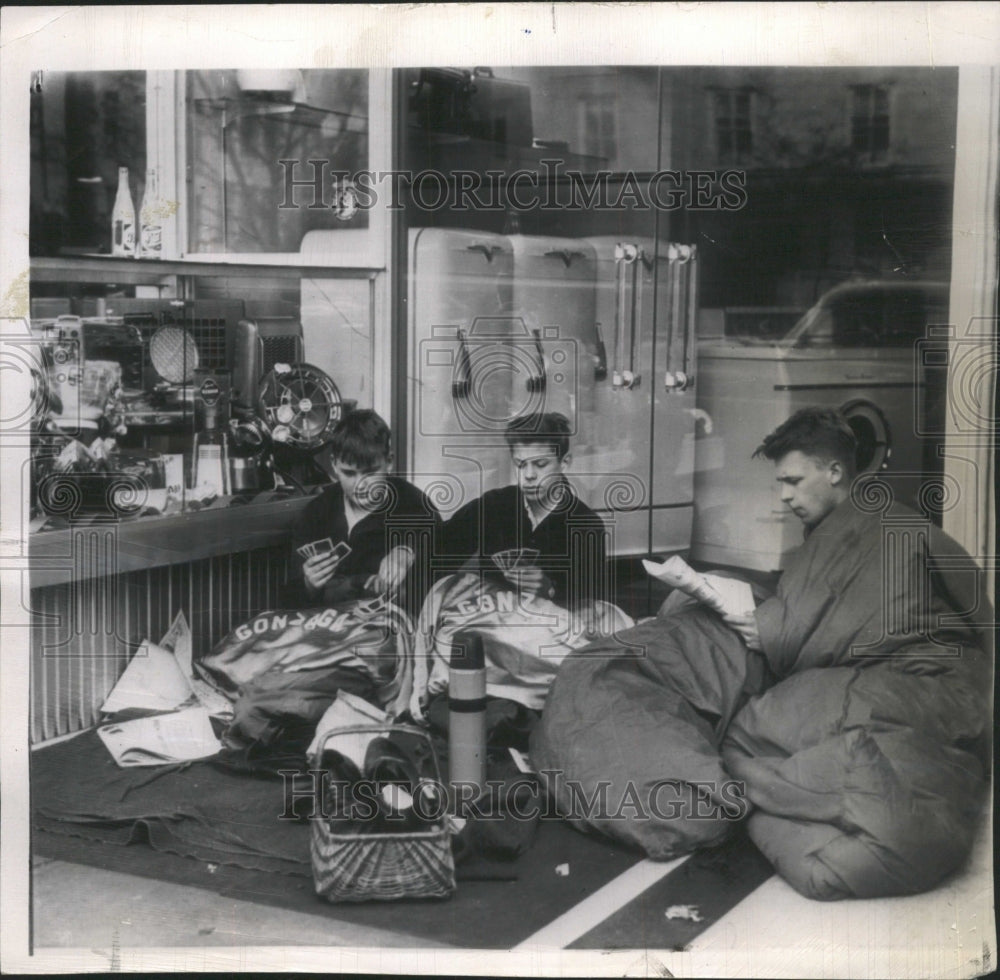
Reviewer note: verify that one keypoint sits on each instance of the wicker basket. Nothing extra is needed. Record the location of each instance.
(349, 866)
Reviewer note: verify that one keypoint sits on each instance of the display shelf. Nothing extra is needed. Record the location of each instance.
(100, 548)
(110, 269)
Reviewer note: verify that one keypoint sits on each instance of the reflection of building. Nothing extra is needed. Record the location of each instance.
(849, 171)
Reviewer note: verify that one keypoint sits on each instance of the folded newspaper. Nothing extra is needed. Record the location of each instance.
(177, 736)
(727, 596)
(159, 677)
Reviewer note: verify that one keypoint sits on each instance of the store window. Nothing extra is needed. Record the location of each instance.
(241, 290)
(272, 154)
(84, 126)
(870, 121)
(538, 278)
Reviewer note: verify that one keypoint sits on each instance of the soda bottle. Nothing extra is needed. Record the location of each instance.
(150, 244)
(123, 218)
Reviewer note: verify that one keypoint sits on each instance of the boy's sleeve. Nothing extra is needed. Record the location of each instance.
(414, 524)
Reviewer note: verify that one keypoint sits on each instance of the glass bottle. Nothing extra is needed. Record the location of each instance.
(150, 244)
(123, 218)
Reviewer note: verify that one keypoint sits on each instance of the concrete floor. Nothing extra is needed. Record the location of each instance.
(131, 911)
(90, 919)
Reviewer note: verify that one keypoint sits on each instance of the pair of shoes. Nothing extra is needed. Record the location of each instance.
(386, 763)
(395, 777)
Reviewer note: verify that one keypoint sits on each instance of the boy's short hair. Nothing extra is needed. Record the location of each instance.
(549, 428)
(361, 439)
(822, 433)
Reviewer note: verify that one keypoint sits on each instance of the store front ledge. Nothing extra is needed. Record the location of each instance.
(230, 526)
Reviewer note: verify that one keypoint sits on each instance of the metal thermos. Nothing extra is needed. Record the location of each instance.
(467, 710)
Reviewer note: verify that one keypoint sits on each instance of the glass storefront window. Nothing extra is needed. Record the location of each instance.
(265, 151)
(84, 126)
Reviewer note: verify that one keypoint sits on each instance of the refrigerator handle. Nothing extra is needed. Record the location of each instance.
(601, 357)
(681, 315)
(633, 377)
(566, 255)
(538, 381)
(461, 385)
(616, 374)
(626, 254)
(691, 347)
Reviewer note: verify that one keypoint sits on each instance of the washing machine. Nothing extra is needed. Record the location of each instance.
(857, 350)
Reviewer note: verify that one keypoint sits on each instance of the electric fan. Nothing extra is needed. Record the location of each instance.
(300, 405)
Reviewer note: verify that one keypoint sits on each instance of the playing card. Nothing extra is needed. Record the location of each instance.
(340, 550)
(325, 546)
(525, 557)
(512, 558)
(502, 560)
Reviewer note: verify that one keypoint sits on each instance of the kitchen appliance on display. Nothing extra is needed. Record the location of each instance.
(641, 437)
(210, 451)
(258, 345)
(464, 349)
(859, 349)
(506, 324)
(299, 406)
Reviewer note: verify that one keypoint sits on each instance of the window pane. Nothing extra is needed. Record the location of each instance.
(84, 126)
(242, 124)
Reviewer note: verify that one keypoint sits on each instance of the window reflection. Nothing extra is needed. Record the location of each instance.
(242, 124)
(84, 126)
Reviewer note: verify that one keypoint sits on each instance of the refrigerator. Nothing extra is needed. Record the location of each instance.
(599, 329)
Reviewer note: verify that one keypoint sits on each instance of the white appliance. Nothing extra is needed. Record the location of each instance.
(635, 457)
(467, 354)
(857, 350)
(503, 325)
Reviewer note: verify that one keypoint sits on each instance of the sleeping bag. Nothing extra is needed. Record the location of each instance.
(868, 762)
(283, 668)
(858, 741)
(525, 638)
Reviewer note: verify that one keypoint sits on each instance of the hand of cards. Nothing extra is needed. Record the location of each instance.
(513, 558)
(325, 547)
(727, 596)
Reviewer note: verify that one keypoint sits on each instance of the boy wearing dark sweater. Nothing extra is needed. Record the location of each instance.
(541, 512)
(385, 521)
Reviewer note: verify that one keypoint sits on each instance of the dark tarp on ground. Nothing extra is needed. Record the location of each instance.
(216, 829)
(863, 742)
(243, 853)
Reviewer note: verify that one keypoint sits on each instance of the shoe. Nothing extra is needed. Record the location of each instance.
(340, 775)
(386, 762)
